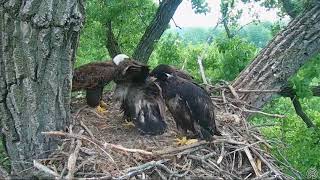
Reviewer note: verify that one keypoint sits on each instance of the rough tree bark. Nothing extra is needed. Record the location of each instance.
(288, 7)
(112, 44)
(282, 58)
(155, 29)
(38, 40)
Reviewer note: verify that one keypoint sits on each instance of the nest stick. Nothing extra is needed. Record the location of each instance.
(59, 133)
(251, 160)
(180, 148)
(121, 148)
(45, 169)
(141, 168)
(73, 159)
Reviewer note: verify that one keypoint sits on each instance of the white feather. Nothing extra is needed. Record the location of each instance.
(168, 75)
(119, 58)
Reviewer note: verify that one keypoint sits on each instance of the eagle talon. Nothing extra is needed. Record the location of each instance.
(185, 141)
(101, 110)
(103, 105)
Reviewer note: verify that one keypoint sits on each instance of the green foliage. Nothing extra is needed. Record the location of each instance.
(235, 54)
(258, 34)
(225, 57)
(291, 138)
(200, 6)
(307, 76)
(92, 44)
(129, 21)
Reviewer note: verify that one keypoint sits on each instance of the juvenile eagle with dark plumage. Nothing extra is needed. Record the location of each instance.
(189, 104)
(173, 71)
(140, 97)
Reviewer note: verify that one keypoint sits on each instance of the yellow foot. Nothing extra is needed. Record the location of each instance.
(185, 141)
(103, 104)
(101, 110)
(128, 124)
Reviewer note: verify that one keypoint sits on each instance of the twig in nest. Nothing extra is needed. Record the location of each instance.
(230, 141)
(257, 91)
(59, 133)
(180, 148)
(259, 112)
(175, 174)
(45, 169)
(263, 141)
(78, 112)
(120, 147)
(73, 159)
(221, 154)
(233, 91)
(95, 113)
(138, 169)
(265, 125)
(277, 173)
(224, 101)
(264, 113)
(251, 160)
(87, 129)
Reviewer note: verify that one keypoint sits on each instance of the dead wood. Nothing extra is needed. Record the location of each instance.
(239, 153)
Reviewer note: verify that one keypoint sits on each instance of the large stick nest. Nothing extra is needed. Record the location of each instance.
(96, 146)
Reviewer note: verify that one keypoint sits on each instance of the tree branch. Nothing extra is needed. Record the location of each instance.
(288, 7)
(155, 29)
(288, 91)
(112, 44)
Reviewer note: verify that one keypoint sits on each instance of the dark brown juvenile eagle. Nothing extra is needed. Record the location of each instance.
(174, 71)
(189, 104)
(140, 97)
(92, 78)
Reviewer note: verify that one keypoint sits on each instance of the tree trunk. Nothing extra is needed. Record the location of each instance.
(282, 58)
(155, 29)
(37, 50)
(112, 44)
(288, 7)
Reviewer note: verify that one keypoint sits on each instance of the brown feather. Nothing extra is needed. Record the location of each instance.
(173, 71)
(93, 75)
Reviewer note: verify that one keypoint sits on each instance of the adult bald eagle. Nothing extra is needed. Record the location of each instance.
(92, 78)
(189, 104)
(140, 97)
(173, 71)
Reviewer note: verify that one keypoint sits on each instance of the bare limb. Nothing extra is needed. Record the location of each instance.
(45, 169)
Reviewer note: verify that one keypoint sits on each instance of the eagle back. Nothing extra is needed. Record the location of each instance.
(92, 75)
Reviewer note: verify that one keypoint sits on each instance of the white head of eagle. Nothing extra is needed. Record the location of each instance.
(119, 58)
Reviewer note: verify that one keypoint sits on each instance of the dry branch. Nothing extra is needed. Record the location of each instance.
(73, 159)
(45, 169)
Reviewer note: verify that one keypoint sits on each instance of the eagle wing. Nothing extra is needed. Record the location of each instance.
(191, 106)
(92, 75)
(183, 75)
(200, 107)
(145, 107)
